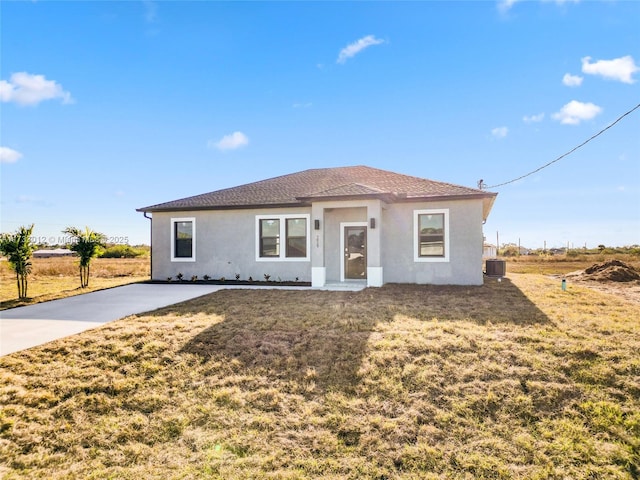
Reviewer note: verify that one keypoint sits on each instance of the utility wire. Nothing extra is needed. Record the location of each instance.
(565, 154)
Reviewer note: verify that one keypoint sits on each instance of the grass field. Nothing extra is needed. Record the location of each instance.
(513, 379)
(562, 264)
(58, 277)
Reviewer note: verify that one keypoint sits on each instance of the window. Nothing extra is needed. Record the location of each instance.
(431, 235)
(269, 237)
(282, 237)
(183, 239)
(296, 237)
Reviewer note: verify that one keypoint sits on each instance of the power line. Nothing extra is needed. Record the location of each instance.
(481, 183)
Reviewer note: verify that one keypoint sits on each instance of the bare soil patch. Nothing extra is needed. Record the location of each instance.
(612, 270)
(613, 277)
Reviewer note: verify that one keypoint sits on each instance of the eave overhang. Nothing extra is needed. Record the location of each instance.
(487, 198)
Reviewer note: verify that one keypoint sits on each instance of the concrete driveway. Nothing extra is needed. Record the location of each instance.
(26, 327)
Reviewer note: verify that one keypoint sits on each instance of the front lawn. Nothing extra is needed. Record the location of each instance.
(514, 379)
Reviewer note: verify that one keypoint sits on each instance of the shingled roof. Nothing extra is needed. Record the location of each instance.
(340, 183)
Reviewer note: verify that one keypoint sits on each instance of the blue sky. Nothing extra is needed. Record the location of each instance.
(111, 106)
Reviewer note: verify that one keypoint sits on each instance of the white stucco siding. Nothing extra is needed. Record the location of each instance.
(464, 265)
(225, 246)
(225, 243)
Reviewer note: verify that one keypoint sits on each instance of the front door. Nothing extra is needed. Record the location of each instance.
(355, 252)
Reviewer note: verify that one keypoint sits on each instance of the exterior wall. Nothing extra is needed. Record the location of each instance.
(225, 243)
(465, 236)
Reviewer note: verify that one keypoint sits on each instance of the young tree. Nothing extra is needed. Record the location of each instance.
(86, 244)
(17, 247)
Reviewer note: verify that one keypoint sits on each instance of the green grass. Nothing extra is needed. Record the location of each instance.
(509, 380)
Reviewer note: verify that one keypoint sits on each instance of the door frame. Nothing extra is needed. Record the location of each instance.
(343, 225)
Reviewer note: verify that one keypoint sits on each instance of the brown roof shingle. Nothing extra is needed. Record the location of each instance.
(322, 183)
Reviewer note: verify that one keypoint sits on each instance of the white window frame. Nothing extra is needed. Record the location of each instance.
(416, 235)
(283, 238)
(192, 258)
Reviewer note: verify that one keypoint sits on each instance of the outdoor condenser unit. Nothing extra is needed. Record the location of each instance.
(496, 268)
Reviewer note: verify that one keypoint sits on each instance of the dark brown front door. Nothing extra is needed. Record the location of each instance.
(355, 253)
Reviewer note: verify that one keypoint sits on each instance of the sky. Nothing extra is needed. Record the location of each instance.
(106, 107)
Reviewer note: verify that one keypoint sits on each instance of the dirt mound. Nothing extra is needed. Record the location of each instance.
(611, 271)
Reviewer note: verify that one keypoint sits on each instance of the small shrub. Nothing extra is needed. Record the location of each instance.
(179, 276)
(194, 278)
(206, 278)
(169, 279)
(509, 251)
(237, 276)
(267, 277)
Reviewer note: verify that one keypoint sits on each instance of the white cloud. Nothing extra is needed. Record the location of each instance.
(499, 132)
(572, 80)
(356, 47)
(562, 2)
(31, 200)
(27, 89)
(575, 112)
(26, 199)
(533, 118)
(9, 155)
(620, 69)
(230, 142)
(505, 5)
(150, 11)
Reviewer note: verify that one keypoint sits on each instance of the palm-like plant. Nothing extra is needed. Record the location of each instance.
(17, 247)
(87, 245)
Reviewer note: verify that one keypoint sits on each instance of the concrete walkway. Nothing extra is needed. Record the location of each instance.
(26, 327)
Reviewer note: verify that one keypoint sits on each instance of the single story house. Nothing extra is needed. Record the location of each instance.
(55, 252)
(325, 226)
(489, 251)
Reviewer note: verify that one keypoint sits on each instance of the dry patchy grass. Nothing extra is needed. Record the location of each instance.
(58, 278)
(563, 264)
(515, 379)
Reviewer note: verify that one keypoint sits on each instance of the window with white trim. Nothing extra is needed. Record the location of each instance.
(431, 235)
(282, 237)
(183, 239)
